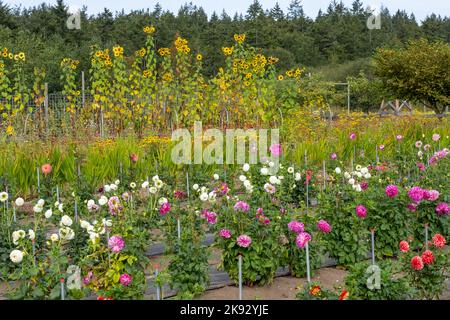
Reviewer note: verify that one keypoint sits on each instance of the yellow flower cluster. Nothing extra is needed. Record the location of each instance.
(17, 57)
(167, 77)
(118, 51)
(239, 38)
(164, 52)
(147, 73)
(182, 45)
(155, 139)
(294, 73)
(149, 29)
(227, 51)
(73, 64)
(103, 57)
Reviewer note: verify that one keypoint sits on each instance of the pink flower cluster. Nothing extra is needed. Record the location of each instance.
(296, 226)
(243, 241)
(116, 244)
(324, 226)
(443, 209)
(391, 191)
(165, 208)
(242, 206)
(437, 156)
(225, 233)
(417, 194)
(262, 217)
(302, 239)
(210, 216)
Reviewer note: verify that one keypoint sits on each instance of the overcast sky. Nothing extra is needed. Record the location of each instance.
(420, 8)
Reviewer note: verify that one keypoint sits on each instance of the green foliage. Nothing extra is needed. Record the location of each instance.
(418, 72)
(392, 286)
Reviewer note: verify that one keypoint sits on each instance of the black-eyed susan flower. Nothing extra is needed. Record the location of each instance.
(199, 57)
(227, 50)
(280, 77)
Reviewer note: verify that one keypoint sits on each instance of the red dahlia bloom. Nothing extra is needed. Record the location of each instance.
(417, 263)
(427, 257)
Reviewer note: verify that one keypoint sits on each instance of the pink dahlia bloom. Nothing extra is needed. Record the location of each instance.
(404, 246)
(302, 239)
(125, 279)
(296, 226)
(352, 136)
(361, 211)
(431, 195)
(416, 194)
(381, 147)
(275, 150)
(242, 206)
(211, 217)
(116, 244)
(391, 191)
(324, 226)
(114, 205)
(165, 208)
(442, 209)
(225, 233)
(333, 156)
(243, 241)
(399, 137)
(439, 241)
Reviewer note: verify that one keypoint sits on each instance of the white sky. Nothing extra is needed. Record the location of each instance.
(420, 8)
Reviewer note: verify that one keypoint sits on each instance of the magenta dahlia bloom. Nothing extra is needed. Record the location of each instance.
(364, 185)
(361, 211)
(302, 239)
(296, 226)
(242, 206)
(165, 208)
(391, 191)
(243, 241)
(442, 209)
(324, 226)
(125, 279)
(416, 194)
(116, 244)
(225, 233)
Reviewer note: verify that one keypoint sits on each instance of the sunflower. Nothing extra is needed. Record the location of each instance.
(10, 130)
(149, 29)
(199, 57)
(280, 77)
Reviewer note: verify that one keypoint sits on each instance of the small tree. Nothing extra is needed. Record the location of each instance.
(418, 72)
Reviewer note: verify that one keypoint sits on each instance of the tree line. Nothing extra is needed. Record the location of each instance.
(337, 35)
